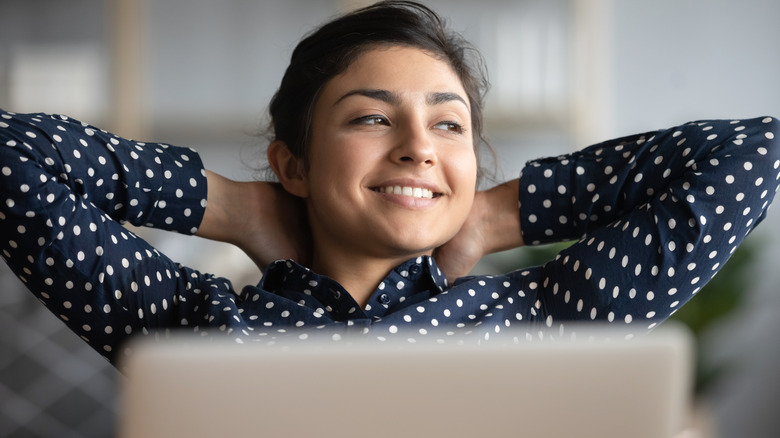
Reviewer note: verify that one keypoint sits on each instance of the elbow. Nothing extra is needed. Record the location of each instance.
(769, 139)
(766, 161)
(760, 144)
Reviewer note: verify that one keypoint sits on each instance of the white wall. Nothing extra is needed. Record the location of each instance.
(220, 62)
(685, 59)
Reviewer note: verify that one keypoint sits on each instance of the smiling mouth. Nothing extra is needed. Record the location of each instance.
(415, 192)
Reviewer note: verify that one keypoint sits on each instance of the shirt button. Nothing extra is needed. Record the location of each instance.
(384, 299)
(336, 293)
(415, 269)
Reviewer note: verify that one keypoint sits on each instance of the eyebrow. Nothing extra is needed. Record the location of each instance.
(392, 98)
(382, 95)
(440, 98)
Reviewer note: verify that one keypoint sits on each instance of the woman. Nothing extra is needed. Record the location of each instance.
(376, 127)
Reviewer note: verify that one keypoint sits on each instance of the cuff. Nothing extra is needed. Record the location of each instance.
(545, 201)
(181, 198)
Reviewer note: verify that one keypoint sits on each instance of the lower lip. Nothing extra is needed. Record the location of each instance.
(407, 201)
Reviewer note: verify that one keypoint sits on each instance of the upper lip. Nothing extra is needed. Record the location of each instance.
(409, 182)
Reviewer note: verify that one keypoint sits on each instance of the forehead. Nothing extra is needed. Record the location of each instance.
(400, 69)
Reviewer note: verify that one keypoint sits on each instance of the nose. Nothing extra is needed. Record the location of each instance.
(415, 146)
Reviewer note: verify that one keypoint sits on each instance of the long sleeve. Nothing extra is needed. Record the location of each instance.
(656, 215)
(65, 189)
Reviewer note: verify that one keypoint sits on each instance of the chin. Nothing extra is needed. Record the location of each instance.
(406, 240)
(416, 248)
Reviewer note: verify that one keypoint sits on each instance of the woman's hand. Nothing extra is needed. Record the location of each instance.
(492, 225)
(261, 218)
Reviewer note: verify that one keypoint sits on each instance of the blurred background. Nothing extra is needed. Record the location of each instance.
(564, 74)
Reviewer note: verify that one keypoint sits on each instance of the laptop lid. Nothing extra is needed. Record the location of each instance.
(584, 387)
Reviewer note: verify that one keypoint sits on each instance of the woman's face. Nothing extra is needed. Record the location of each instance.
(392, 162)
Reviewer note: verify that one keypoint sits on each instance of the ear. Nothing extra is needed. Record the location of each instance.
(289, 169)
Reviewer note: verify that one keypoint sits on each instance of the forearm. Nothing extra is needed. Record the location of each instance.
(223, 219)
(498, 211)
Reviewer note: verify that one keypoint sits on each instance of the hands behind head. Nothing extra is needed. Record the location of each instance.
(460, 254)
(261, 218)
(277, 229)
(492, 225)
(268, 224)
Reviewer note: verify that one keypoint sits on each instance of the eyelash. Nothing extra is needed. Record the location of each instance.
(375, 119)
(372, 118)
(458, 127)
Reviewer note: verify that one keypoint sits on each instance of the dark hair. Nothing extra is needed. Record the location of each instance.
(332, 48)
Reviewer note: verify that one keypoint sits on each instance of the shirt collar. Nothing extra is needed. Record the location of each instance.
(410, 282)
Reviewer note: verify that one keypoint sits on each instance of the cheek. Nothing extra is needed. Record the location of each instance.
(339, 161)
(465, 168)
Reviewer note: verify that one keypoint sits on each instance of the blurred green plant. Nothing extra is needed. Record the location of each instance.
(716, 301)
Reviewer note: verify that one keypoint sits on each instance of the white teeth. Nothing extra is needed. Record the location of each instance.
(416, 192)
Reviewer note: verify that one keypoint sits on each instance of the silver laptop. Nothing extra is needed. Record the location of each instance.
(596, 385)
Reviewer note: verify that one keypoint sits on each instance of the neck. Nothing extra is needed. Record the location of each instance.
(360, 275)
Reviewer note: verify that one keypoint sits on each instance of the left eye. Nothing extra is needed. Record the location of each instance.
(454, 127)
(371, 120)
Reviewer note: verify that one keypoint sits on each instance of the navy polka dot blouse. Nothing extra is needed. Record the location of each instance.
(655, 216)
